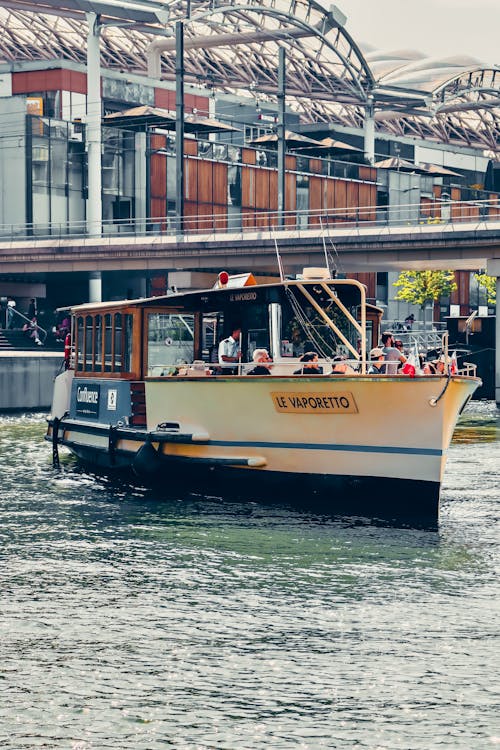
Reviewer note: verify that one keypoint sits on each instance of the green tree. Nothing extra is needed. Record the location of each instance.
(422, 287)
(490, 284)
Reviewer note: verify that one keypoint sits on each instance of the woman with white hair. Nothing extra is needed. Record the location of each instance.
(262, 363)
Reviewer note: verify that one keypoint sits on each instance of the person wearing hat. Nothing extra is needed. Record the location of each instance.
(377, 366)
(341, 366)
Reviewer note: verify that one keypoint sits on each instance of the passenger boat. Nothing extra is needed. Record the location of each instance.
(143, 391)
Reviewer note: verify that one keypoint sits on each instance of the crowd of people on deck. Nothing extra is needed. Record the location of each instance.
(389, 358)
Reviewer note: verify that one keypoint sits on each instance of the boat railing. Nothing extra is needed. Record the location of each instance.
(284, 368)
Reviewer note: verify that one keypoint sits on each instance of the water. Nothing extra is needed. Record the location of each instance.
(129, 622)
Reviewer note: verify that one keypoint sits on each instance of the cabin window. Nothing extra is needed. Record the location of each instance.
(127, 343)
(108, 343)
(80, 342)
(104, 343)
(97, 353)
(170, 342)
(89, 332)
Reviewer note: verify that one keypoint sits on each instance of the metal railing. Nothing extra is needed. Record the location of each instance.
(28, 325)
(440, 215)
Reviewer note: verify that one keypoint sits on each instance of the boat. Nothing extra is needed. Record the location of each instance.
(144, 393)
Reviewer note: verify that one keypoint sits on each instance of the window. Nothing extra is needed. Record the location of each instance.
(170, 341)
(104, 343)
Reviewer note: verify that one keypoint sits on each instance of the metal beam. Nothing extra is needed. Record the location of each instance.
(281, 135)
(179, 125)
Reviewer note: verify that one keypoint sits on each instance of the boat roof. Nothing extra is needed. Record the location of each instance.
(187, 299)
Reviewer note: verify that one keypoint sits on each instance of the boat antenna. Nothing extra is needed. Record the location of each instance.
(336, 265)
(280, 263)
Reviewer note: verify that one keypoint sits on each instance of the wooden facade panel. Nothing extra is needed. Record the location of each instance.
(191, 179)
(190, 147)
(367, 173)
(220, 183)
(290, 197)
(205, 182)
(315, 166)
(205, 217)
(191, 216)
(262, 188)
(290, 162)
(315, 197)
(367, 202)
(352, 199)
(248, 156)
(220, 218)
(340, 200)
(248, 187)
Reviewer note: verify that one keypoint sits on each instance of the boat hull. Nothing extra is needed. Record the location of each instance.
(365, 445)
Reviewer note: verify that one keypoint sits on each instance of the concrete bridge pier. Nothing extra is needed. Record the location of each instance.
(493, 269)
(95, 286)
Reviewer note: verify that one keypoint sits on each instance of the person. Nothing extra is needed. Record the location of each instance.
(409, 321)
(230, 352)
(32, 311)
(263, 362)
(310, 365)
(31, 330)
(377, 366)
(428, 368)
(341, 366)
(11, 304)
(391, 353)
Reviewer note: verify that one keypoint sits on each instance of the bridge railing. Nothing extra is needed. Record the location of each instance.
(444, 213)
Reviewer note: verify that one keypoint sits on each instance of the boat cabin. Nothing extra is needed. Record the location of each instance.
(160, 336)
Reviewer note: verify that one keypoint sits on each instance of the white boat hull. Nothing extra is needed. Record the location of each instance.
(363, 442)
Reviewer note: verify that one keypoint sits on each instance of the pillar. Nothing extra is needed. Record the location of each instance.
(493, 269)
(95, 286)
(369, 129)
(281, 135)
(179, 125)
(93, 127)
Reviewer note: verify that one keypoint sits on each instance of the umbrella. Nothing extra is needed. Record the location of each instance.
(293, 140)
(401, 165)
(434, 169)
(138, 118)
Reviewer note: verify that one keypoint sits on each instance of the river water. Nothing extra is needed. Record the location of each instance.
(130, 621)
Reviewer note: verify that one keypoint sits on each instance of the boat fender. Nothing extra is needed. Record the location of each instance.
(55, 440)
(112, 441)
(146, 461)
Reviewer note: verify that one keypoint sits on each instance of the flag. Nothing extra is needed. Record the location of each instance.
(412, 365)
(453, 364)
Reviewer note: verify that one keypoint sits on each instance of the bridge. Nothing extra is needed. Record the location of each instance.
(461, 242)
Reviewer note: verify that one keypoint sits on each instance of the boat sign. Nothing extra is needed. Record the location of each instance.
(87, 399)
(315, 403)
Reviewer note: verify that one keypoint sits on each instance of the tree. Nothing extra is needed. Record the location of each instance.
(422, 287)
(490, 284)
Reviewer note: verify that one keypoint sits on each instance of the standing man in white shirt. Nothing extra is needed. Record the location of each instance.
(230, 352)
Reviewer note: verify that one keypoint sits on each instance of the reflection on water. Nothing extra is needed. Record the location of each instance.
(136, 622)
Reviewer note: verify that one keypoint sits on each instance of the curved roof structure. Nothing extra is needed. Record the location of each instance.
(232, 46)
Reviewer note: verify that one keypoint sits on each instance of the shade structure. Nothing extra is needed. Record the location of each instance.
(293, 140)
(400, 165)
(335, 145)
(140, 118)
(437, 170)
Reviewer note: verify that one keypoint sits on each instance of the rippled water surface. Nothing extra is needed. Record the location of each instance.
(130, 621)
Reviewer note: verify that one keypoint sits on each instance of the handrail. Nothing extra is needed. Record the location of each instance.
(30, 323)
(324, 220)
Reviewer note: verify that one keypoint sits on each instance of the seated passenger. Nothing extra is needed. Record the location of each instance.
(262, 363)
(341, 366)
(377, 366)
(428, 368)
(310, 365)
